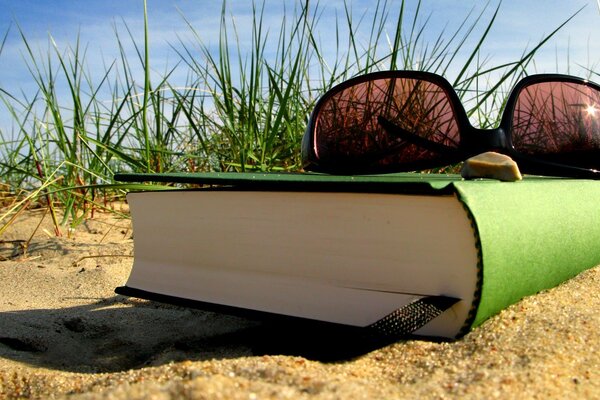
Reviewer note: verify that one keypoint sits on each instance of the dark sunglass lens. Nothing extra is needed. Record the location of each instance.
(372, 122)
(559, 122)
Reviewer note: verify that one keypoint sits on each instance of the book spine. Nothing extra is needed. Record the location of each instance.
(477, 294)
(534, 235)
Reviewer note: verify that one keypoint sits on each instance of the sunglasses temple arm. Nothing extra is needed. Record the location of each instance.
(534, 166)
(394, 130)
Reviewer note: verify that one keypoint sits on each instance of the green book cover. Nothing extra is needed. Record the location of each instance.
(531, 234)
(534, 234)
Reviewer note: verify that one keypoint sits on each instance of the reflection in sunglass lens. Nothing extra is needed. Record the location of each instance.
(348, 126)
(559, 122)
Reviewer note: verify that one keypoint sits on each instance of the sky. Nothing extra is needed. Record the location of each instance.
(520, 25)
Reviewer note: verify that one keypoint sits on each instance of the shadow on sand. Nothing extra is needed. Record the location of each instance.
(118, 334)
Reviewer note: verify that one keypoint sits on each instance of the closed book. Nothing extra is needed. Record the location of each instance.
(426, 254)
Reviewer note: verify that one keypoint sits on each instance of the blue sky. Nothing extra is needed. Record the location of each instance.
(519, 26)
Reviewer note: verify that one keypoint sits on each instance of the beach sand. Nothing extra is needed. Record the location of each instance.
(65, 334)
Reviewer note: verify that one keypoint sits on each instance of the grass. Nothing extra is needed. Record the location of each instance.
(240, 109)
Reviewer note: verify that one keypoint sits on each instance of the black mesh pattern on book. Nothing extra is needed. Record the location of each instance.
(411, 317)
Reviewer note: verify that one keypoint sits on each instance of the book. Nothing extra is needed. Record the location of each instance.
(426, 254)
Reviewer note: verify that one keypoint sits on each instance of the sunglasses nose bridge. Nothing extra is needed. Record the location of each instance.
(475, 141)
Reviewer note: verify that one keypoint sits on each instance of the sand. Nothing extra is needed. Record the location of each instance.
(65, 334)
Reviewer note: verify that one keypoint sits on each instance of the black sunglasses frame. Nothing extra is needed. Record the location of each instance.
(472, 141)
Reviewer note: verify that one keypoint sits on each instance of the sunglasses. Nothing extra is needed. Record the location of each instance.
(399, 121)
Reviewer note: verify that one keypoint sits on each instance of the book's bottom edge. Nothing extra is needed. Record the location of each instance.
(223, 309)
(362, 336)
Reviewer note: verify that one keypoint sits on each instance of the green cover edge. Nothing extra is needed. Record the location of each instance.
(402, 182)
(535, 234)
